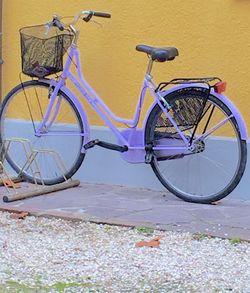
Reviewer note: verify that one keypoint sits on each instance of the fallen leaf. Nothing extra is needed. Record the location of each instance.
(215, 203)
(155, 242)
(11, 184)
(19, 216)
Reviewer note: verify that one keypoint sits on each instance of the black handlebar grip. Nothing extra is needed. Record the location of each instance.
(57, 23)
(101, 14)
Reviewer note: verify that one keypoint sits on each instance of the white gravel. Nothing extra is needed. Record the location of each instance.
(53, 255)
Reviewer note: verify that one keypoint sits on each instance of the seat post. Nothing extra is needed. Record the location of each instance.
(150, 65)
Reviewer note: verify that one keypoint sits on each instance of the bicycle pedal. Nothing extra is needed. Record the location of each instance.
(91, 144)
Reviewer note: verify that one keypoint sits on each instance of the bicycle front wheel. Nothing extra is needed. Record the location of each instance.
(59, 145)
(218, 162)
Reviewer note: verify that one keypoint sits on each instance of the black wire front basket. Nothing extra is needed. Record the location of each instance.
(42, 52)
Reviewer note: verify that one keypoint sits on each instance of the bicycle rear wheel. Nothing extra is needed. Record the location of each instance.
(215, 168)
(22, 112)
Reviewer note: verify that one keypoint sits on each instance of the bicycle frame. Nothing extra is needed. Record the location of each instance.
(133, 137)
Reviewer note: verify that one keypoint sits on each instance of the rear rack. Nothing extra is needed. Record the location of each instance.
(209, 81)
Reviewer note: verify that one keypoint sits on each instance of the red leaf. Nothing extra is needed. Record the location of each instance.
(155, 242)
(11, 184)
(19, 216)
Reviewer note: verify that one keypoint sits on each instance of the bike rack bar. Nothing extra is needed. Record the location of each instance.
(41, 191)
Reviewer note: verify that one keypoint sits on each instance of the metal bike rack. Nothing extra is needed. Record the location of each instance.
(14, 184)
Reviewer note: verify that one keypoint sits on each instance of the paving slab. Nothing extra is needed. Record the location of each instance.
(121, 205)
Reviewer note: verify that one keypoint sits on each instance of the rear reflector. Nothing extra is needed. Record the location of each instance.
(220, 87)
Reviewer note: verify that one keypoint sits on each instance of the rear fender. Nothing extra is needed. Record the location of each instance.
(222, 98)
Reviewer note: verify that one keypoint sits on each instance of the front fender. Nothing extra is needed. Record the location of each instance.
(82, 112)
(222, 98)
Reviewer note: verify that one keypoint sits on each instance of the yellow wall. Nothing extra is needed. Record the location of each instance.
(213, 38)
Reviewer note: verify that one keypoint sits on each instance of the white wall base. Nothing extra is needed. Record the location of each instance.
(105, 166)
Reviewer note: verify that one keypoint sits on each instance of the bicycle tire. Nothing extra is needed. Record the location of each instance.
(15, 112)
(197, 174)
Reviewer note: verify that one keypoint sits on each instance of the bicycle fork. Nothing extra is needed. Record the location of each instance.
(51, 111)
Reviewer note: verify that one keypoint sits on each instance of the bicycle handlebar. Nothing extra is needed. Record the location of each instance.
(56, 22)
(87, 17)
(102, 14)
(90, 14)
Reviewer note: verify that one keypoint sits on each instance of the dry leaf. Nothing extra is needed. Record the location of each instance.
(11, 184)
(215, 202)
(19, 216)
(155, 242)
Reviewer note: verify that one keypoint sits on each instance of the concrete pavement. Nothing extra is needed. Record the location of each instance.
(122, 205)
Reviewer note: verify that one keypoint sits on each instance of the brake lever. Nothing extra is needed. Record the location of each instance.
(96, 22)
(88, 17)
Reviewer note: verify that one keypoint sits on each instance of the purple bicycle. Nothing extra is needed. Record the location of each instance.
(193, 137)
